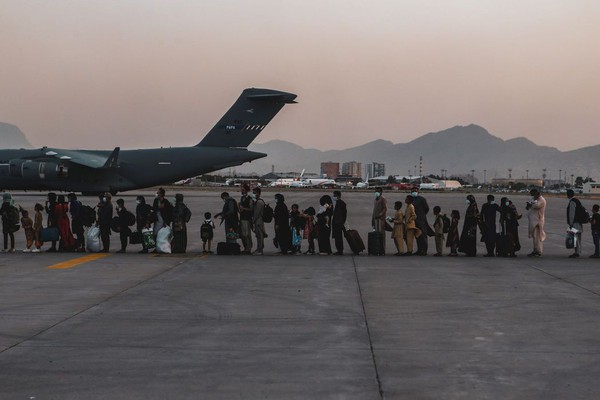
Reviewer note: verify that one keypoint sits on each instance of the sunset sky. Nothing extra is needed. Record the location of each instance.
(100, 74)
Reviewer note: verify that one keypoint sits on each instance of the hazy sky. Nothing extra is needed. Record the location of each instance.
(161, 73)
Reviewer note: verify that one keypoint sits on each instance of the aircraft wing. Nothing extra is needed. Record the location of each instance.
(87, 159)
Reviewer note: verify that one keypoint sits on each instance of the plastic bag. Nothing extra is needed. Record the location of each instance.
(92, 240)
(163, 240)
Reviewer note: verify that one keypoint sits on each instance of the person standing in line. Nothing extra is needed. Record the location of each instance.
(124, 231)
(163, 211)
(411, 228)
(10, 221)
(38, 222)
(536, 214)
(438, 227)
(207, 233)
(27, 224)
(281, 220)
(488, 217)
(324, 225)
(575, 220)
(509, 222)
(76, 211)
(246, 206)
(338, 221)
(143, 218)
(595, 221)
(257, 221)
(379, 213)
(421, 209)
(61, 210)
(453, 239)
(51, 222)
(105, 215)
(310, 231)
(398, 232)
(468, 237)
(229, 214)
(181, 216)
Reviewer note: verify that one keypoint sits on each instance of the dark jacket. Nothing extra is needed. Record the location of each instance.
(339, 213)
(165, 208)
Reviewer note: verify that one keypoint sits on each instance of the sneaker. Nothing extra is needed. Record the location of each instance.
(574, 255)
(121, 251)
(26, 250)
(35, 250)
(257, 253)
(12, 250)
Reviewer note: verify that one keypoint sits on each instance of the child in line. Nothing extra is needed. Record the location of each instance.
(37, 227)
(27, 224)
(595, 221)
(207, 233)
(453, 239)
(297, 226)
(310, 231)
(438, 227)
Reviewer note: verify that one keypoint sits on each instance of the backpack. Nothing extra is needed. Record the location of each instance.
(12, 216)
(130, 218)
(446, 223)
(206, 231)
(88, 216)
(581, 214)
(267, 214)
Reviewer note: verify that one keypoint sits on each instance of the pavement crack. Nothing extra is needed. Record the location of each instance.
(92, 306)
(373, 357)
(564, 280)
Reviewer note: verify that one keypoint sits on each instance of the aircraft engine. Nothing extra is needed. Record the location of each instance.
(29, 169)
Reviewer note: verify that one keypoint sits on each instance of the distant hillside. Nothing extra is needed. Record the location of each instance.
(12, 138)
(458, 150)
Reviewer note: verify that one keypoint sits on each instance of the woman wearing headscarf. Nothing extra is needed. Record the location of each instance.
(10, 221)
(468, 237)
(324, 216)
(281, 219)
(509, 222)
(181, 216)
(61, 211)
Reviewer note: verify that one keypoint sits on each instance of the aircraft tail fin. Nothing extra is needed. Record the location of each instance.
(246, 119)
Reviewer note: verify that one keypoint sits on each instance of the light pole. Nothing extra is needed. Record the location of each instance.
(527, 175)
(484, 175)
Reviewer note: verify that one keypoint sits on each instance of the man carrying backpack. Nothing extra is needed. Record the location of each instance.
(229, 214)
(576, 217)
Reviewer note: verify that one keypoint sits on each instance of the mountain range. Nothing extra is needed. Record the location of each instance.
(458, 150)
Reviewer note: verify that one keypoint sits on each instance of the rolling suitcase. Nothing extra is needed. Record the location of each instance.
(228, 249)
(376, 243)
(354, 241)
(502, 240)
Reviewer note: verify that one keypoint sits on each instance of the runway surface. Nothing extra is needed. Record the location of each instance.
(138, 326)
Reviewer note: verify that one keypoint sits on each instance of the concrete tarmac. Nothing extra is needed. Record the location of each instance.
(142, 326)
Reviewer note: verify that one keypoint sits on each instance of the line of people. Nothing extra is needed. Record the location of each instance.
(67, 218)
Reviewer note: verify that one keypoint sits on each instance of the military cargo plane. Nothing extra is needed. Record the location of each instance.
(97, 171)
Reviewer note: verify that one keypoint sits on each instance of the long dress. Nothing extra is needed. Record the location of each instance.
(179, 243)
(323, 220)
(283, 234)
(67, 241)
(509, 221)
(468, 237)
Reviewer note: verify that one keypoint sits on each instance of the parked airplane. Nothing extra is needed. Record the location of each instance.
(312, 182)
(286, 182)
(96, 171)
(363, 185)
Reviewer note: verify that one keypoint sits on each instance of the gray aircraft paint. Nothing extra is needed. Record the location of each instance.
(95, 171)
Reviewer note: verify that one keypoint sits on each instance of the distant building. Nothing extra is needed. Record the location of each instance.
(330, 169)
(375, 169)
(591, 187)
(352, 169)
(512, 181)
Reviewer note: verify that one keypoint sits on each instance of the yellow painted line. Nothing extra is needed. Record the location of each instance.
(76, 261)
